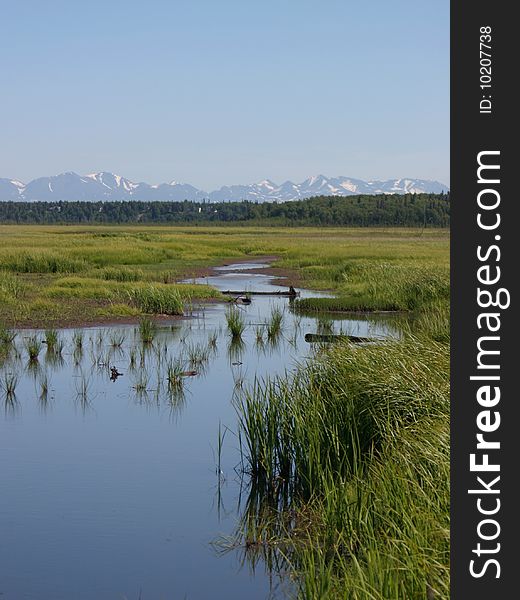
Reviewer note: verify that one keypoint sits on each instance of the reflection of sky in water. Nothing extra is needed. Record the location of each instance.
(109, 487)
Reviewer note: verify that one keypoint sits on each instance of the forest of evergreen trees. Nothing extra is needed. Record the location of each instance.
(410, 210)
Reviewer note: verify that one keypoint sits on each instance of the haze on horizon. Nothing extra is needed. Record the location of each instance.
(226, 93)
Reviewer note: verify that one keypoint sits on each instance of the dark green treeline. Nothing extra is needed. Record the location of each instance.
(407, 210)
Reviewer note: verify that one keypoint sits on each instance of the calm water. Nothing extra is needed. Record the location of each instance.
(109, 489)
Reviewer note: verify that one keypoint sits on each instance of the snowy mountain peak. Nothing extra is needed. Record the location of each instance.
(107, 186)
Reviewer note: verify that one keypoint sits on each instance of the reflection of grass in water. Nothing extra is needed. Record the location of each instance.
(140, 384)
(55, 358)
(325, 325)
(261, 538)
(117, 339)
(132, 358)
(235, 350)
(212, 340)
(115, 353)
(83, 385)
(33, 368)
(8, 383)
(198, 355)
(259, 334)
(43, 396)
(176, 398)
(77, 340)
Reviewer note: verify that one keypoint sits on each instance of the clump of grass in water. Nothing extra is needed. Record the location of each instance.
(33, 347)
(259, 335)
(141, 382)
(133, 358)
(212, 340)
(51, 339)
(198, 355)
(274, 325)
(235, 322)
(117, 339)
(175, 375)
(325, 325)
(54, 344)
(77, 340)
(6, 336)
(147, 330)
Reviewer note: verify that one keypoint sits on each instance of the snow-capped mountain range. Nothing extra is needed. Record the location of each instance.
(107, 186)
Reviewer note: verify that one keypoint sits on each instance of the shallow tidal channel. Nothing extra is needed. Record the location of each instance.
(116, 488)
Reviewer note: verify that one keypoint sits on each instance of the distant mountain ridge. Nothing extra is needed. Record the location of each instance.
(105, 186)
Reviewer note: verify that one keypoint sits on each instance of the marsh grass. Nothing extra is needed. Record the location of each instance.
(41, 262)
(147, 330)
(198, 354)
(82, 266)
(121, 274)
(175, 375)
(141, 382)
(132, 356)
(235, 322)
(7, 336)
(384, 287)
(52, 340)
(212, 341)
(325, 325)
(274, 325)
(33, 347)
(117, 339)
(11, 286)
(259, 335)
(155, 300)
(358, 442)
(77, 340)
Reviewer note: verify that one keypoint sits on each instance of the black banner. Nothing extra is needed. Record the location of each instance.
(484, 402)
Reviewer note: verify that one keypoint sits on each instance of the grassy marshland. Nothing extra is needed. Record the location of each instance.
(348, 462)
(71, 274)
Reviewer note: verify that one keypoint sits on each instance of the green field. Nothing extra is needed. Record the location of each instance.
(348, 463)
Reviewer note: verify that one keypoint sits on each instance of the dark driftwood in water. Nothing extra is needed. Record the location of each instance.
(316, 337)
(274, 293)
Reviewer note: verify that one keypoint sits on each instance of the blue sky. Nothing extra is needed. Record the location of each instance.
(230, 91)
